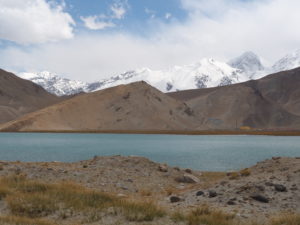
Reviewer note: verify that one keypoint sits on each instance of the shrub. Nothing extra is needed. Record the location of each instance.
(208, 216)
(245, 172)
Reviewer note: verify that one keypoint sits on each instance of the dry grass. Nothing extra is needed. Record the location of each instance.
(210, 178)
(29, 200)
(14, 220)
(208, 216)
(245, 172)
(204, 215)
(286, 219)
(34, 199)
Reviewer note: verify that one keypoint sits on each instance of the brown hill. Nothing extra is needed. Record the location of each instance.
(136, 106)
(269, 103)
(18, 97)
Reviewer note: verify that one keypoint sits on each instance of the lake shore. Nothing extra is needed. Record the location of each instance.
(174, 132)
(268, 188)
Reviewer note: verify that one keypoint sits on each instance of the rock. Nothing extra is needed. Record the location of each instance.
(276, 158)
(260, 198)
(269, 184)
(177, 168)
(231, 202)
(260, 188)
(212, 193)
(199, 193)
(187, 178)
(280, 188)
(188, 171)
(174, 199)
(163, 168)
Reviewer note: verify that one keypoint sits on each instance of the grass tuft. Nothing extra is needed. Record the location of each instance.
(14, 220)
(286, 219)
(208, 216)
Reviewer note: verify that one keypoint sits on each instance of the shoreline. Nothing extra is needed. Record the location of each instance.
(171, 132)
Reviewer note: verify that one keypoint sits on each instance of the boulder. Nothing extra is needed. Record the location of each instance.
(187, 178)
(163, 168)
(260, 198)
(212, 193)
(188, 171)
(199, 193)
(174, 199)
(280, 188)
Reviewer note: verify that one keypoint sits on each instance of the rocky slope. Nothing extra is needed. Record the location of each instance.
(269, 103)
(136, 106)
(18, 97)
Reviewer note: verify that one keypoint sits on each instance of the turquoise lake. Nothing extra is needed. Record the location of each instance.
(210, 153)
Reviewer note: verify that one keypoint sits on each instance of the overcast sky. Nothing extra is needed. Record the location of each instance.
(94, 39)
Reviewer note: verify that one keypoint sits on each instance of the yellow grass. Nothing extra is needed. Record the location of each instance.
(36, 199)
(14, 220)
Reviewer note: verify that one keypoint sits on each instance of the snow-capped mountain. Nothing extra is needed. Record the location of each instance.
(249, 63)
(290, 61)
(205, 73)
(54, 83)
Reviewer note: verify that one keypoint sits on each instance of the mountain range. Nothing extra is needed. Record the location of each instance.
(269, 103)
(203, 74)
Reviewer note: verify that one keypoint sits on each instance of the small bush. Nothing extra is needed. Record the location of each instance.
(140, 211)
(245, 172)
(205, 215)
(234, 176)
(178, 217)
(4, 191)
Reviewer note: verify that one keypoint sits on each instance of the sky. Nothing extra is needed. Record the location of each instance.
(95, 39)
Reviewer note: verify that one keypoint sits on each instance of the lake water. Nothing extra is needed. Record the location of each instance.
(211, 153)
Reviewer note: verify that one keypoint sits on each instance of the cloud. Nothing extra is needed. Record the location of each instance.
(94, 23)
(267, 27)
(100, 22)
(34, 21)
(119, 9)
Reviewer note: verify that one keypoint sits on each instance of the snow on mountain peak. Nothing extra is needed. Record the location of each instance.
(248, 62)
(207, 72)
(290, 61)
(54, 83)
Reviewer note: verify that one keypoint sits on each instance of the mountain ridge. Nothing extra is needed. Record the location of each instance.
(202, 74)
(269, 103)
(19, 96)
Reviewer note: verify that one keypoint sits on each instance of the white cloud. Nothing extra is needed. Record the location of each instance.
(119, 9)
(34, 21)
(267, 27)
(94, 23)
(104, 21)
